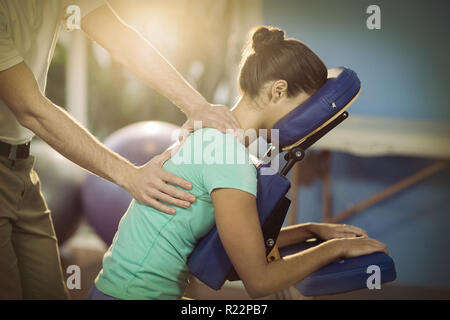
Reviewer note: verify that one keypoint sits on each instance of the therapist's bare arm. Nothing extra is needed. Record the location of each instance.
(239, 229)
(20, 91)
(136, 54)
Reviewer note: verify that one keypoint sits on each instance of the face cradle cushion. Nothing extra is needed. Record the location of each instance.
(298, 130)
(335, 96)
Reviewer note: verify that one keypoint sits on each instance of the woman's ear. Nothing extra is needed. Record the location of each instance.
(279, 90)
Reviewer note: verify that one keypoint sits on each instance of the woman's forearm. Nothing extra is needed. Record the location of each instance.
(241, 235)
(291, 269)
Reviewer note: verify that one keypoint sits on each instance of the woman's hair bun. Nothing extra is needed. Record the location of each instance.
(265, 37)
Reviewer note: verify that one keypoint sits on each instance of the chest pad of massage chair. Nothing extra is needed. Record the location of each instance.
(298, 130)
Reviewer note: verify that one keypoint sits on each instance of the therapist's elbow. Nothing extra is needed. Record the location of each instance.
(26, 114)
(23, 117)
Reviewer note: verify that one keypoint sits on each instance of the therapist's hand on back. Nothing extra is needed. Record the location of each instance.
(150, 183)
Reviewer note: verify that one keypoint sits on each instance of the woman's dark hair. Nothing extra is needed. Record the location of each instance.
(269, 56)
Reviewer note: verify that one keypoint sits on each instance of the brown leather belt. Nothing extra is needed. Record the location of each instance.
(14, 152)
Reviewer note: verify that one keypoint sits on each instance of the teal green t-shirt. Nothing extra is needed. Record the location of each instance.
(147, 259)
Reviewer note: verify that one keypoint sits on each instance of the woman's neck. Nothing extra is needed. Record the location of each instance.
(248, 114)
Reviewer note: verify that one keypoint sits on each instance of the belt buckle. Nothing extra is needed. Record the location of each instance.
(12, 153)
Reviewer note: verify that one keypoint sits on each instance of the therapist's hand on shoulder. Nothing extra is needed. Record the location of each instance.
(150, 185)
(212, 116)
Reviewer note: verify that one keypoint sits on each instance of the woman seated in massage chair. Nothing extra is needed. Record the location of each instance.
(147, 259)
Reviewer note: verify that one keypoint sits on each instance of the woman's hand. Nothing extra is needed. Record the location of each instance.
(359, 246)
(327, 231)
(213, 116)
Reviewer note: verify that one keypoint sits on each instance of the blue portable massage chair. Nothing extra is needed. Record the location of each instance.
(298, 130)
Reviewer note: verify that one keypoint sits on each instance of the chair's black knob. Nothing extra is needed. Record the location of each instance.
(294, 155)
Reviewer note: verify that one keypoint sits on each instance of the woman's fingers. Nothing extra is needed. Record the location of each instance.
(354, 230)
(380, 246)
(375, 245)
(362, 246)
(360, 232)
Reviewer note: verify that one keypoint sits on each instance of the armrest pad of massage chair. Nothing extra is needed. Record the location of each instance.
(209, 261)
(343, 275)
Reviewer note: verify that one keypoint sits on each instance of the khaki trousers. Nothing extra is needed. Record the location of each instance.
(30, 265)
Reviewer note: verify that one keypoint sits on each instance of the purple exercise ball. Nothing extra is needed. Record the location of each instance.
(104, 202)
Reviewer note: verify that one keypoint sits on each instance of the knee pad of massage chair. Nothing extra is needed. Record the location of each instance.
(343, 275)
